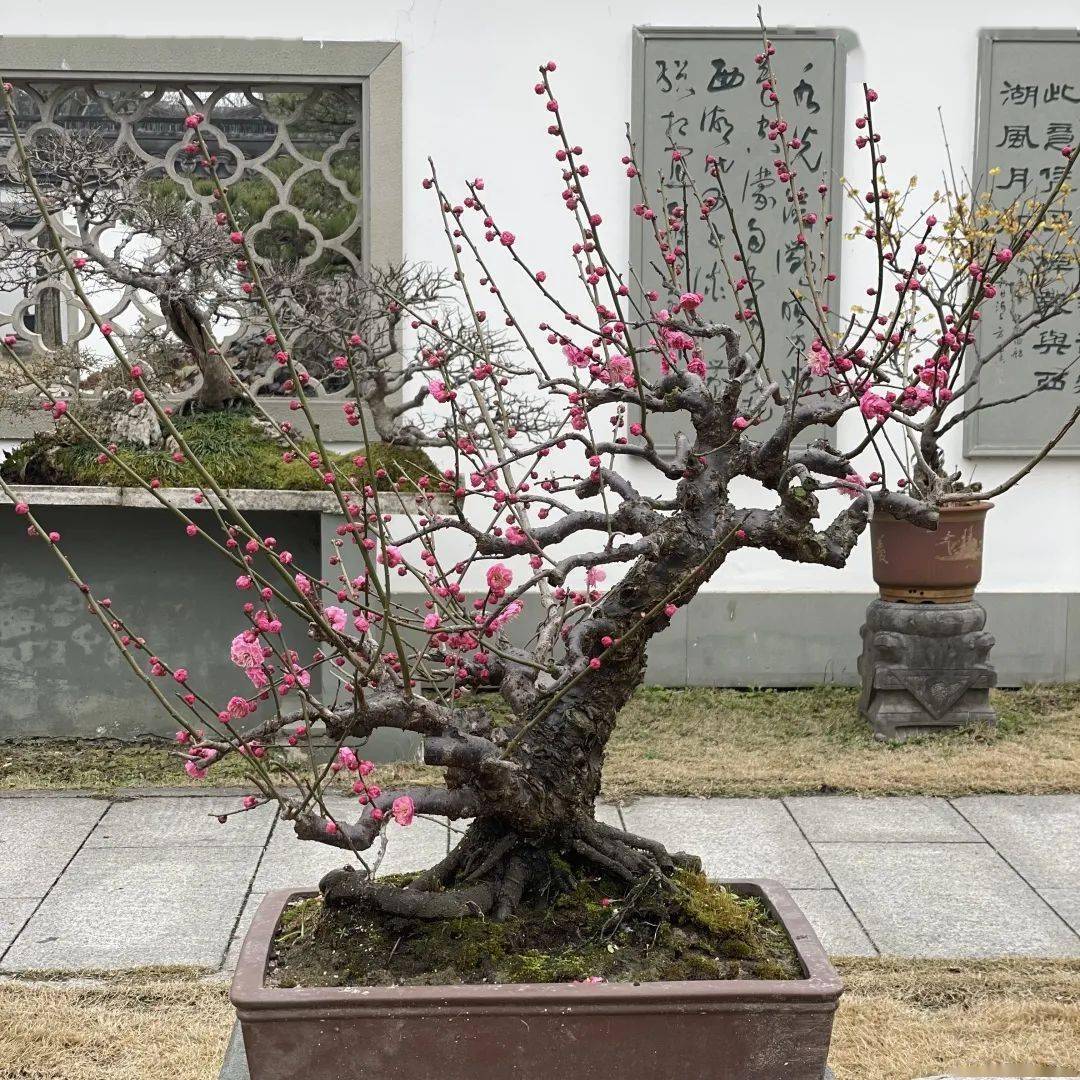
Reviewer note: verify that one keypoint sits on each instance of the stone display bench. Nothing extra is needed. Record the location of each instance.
(60, 676)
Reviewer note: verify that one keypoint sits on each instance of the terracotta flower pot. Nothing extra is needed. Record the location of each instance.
(930, 566)
(736, 1029)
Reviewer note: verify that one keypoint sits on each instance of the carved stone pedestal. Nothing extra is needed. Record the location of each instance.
(925, 668)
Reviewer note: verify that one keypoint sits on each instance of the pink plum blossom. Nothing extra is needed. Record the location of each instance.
(403, 810)
(245, 651)
(237, 708)
(258, 677)
(874, 406)
(438, 390)
(499, 578)
(511, 611)
(576, 356)
(853, 485)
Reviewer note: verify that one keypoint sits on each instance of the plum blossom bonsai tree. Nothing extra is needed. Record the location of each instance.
(554, 520)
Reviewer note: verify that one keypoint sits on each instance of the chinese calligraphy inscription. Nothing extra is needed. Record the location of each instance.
(696, 93)
(1029, 112)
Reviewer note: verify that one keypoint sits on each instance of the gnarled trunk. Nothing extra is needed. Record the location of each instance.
(523, 830)
(218, 388)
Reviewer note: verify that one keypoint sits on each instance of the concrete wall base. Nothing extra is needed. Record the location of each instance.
(61, 677)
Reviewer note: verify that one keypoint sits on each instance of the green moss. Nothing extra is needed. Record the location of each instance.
(690, 930)
(468, 944)
(296, 917)
(716, 909)
(534, 966)
(235, 452)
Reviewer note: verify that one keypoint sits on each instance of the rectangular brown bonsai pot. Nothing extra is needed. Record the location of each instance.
(737, 1029)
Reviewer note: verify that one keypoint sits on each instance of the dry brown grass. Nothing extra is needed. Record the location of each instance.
(769, 742)
(141, 1027)
(898, 1019)
(704, 742)
(907, 1018)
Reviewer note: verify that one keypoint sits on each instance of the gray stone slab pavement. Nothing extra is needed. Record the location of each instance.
(38, 837)
(1038, 835)
(133, 907)
(834, 922)
(902, 819)
(156, 880)
(247, 913)
(13, 916)
(1066, 902)
(945, 900)
(179, 821)
(736, 838)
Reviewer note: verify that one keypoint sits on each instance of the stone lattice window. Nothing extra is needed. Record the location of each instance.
(310, 157)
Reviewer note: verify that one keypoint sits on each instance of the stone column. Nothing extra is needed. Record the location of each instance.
(925, 668)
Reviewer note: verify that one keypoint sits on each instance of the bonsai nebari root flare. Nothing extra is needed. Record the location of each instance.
(490, 871)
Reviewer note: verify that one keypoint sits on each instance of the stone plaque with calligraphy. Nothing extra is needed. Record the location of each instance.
(697, 90)
(1028, 111)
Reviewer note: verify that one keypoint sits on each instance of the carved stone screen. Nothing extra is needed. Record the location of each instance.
(1028, 110)
(697, 90)
(291, 156)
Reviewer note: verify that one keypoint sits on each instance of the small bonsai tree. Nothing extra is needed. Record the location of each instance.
(913, 357)
(540, 566)
(127, 229)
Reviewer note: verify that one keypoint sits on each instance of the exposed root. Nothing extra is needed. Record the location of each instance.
(354, 886)
(492, 872)
(668, 860)
(497, 854)
(512, 888)
(439, 875)
(471, 859)
(618, 867)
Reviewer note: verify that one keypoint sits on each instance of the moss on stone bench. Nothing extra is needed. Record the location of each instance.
(231, 448)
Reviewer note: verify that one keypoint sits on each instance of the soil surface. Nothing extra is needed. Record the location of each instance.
(693, 929)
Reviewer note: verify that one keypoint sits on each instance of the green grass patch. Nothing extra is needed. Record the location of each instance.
(235, 452)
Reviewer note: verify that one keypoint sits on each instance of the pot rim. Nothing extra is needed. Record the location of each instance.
(975, 507)
(960, 507)
(254, 1000)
